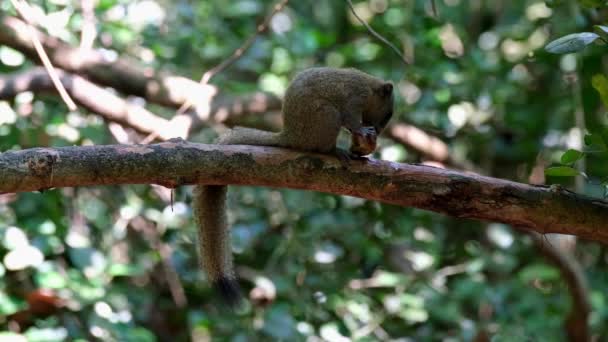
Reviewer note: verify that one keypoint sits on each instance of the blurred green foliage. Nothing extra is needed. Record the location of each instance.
(343, 268)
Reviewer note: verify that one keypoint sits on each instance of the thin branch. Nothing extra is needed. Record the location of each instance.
(171, 276)
(577, 326)
(434, 9)
(376, 34)
(88, 30)
(278, 7)
(24, 11)
(261, 28)
(176, 162)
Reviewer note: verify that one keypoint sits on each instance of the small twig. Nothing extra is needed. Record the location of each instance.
(24, 10)
(152, 235)
(576, 325)
(434, 9)
(374, 33)
(88, 31)
(237, 53)
(179, 115)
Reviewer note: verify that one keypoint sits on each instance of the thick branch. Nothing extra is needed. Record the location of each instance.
(538, 208)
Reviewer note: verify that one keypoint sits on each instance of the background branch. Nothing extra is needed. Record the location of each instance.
(230, 110)
(113, 108)
(173, 91)
(576, 325)
(121, 74)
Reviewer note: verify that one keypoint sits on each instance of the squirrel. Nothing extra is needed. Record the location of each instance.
(317, 103)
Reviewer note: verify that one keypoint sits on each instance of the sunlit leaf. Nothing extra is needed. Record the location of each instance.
(602, 30)
(561, 171)
(603, 133)
(571, 43)
(591, 3)
(571, 156)
(538, 271)
(553, 3)
(596, 141)
(600, 83)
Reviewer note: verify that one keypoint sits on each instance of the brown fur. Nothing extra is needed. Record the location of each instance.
(318, 102)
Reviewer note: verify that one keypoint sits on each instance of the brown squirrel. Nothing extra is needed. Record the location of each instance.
(317, 103)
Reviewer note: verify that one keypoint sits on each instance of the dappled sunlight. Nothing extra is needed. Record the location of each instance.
(11, 57)
(7, 114)
(464, 113)
(421, 140)
(145, 12)
(281, 23)
(500, 235)
(513, 50)
(21, 253)
(410, 92)
(450, 42)
(538, 10)
(497, 109)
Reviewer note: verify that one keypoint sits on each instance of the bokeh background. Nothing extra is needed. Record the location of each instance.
(119, 262)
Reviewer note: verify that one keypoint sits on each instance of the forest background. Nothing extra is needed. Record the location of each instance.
(480, 94)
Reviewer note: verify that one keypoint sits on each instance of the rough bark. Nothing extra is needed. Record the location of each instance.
(173, 163)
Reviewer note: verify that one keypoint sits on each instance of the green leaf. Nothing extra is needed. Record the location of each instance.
(595, 140)
(561, 171)
(538, 271)
(603, 133)
(571, 43)
(600, 83)
(117, 270)
(591, 3)
(571, 156)
(553, 3)
(602, 30)
(8, 306)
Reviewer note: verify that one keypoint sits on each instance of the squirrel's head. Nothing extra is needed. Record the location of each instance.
(380, 108)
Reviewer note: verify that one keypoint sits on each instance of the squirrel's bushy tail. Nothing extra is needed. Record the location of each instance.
(209, 207)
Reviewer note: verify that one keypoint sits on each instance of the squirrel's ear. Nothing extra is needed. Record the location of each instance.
(386, 89)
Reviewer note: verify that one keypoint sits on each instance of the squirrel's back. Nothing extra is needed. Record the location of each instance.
(336, 85)
(321, 100)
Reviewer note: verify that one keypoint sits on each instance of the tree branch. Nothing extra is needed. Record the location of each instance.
(121, 74)
(576, 325)
(430, 147)
(173, 163)
(88, 95)
(113, 108)
(173, 91)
